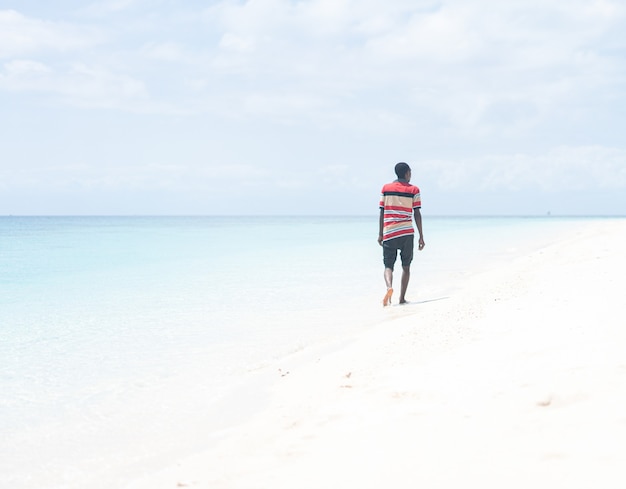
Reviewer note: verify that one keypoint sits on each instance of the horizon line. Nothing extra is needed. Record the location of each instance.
(545, 215)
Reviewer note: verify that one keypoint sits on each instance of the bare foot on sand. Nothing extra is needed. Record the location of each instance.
(387, 298)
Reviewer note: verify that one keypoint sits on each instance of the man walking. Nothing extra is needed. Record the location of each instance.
(400, 202)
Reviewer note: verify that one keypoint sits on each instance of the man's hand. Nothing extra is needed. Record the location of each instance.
(421, 243)
(380, 239)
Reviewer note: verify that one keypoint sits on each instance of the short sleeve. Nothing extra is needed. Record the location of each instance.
(417, 199)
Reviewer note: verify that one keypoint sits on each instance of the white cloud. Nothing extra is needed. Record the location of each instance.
(132, 175)
(21, 35)
(469, 64)
(82, 85)
(442, 36)
(96, 85)
(107, 7)
(232, 42)
(26, 75)
(566, 167)
(25, 68)
(165, 51)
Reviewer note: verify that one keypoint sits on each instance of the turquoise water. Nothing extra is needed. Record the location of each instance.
(121, 332)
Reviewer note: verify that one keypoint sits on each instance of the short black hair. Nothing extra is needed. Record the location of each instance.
(401, 169)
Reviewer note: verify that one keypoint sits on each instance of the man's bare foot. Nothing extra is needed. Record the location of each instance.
(387, 298)
(403, 301)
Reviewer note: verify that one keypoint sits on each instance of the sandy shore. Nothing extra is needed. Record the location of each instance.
(516, 381)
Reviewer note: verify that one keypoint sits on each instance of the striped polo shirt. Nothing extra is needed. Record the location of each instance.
(398, 201)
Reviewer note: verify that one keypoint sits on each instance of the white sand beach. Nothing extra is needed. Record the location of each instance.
(517, 380)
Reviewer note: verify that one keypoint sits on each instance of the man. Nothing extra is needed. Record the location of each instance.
(400, 202)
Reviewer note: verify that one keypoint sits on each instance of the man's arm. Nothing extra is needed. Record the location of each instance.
(381, 223)
(418, 221)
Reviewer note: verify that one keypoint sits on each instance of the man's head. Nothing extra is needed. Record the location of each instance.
(403, 171)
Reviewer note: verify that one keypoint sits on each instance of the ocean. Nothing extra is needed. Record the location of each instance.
(121, 335)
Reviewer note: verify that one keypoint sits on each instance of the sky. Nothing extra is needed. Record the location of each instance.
(265, 107)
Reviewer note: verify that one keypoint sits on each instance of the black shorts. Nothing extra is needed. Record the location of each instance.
(391, 247)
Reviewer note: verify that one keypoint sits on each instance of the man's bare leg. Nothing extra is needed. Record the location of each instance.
(389, 283)
(406, 275)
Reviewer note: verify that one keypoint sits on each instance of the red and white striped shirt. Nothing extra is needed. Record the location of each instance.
(399, 200)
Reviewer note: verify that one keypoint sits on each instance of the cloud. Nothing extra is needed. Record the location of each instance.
(133, 175)
(46, 57)
(477, 70)
(168, 52)
(469, 66)
(20, 35)
(565, 167)
(81, 85)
